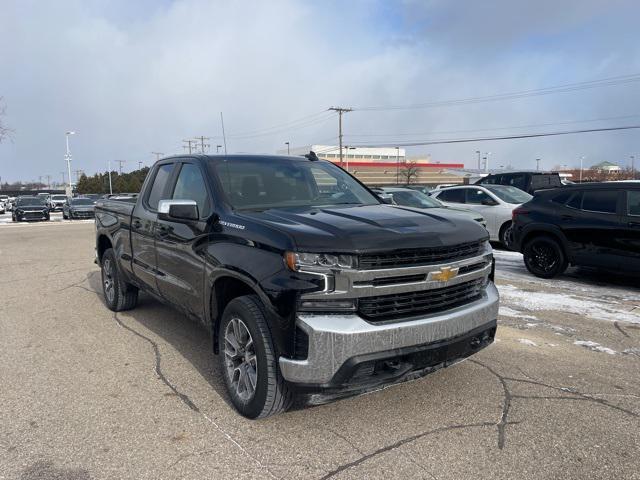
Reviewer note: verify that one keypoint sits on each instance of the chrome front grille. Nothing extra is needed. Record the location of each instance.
(420, 256)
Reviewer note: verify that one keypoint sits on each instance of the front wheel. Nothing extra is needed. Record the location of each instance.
(118, 294)
(249, 363)
(544, 257)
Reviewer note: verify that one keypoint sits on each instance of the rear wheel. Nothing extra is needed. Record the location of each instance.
(506, 235)
(118, 294)
(249, 363)
(544, 257)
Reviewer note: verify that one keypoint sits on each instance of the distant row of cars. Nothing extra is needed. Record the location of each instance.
(39, 207)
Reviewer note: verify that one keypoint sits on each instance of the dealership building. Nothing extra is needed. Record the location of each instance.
(384, 165)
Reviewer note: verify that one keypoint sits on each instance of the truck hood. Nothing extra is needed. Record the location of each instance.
(368, 228)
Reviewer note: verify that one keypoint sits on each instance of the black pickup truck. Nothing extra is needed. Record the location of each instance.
(307, 281)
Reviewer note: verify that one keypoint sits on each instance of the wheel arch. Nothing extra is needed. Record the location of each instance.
(549, 231)
(102, 245)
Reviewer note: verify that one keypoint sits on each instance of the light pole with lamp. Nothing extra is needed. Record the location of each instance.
(633, 167)
(68, 158)
(218, 147)
(288, 149)
(581, 164)
(478, 152)
(397, 164)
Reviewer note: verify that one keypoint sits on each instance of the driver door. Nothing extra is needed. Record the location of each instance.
(180, 253)
(480, 201)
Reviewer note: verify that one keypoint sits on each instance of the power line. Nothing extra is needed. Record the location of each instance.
(487, 139)
(303, 119)
(293, 127)
(568, 87)
(623, 117)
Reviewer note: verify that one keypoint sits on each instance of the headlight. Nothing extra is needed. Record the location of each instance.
(318, 261)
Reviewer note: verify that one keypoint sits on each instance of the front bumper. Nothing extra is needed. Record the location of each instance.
(340, 342)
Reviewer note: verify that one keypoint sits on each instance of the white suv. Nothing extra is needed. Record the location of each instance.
(494, 202)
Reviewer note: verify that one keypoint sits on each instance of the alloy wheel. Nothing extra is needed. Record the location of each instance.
(108, 280)
(240, 359)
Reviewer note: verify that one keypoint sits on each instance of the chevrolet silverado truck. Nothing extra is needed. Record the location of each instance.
(308, 283)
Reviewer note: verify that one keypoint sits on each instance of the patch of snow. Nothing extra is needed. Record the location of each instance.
(510, 312)
(594, 346)
(526, 341)
(596, 307)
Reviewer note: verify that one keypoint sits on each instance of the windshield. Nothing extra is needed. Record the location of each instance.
(22, 201)
(82, 201)
(413, 198)
(259, 184)
(509, 194)
(58, 197)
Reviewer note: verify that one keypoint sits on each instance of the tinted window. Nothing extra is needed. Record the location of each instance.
(159, 185)
(603, 201)
(545, 181)
(518, 181)
(633, 202)
(190, 186)
(22, 201)
(475, 196)
(562, 198)
(453, 196)
(82, 201)
(414, 199)
(575, 201)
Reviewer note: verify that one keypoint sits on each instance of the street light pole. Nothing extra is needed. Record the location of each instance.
(478, 152)
(68, 158)
(218, 147)
(581, 163)
(288, 150)
(397, 164)
(110, 186)
(633, 167)
(537, 164)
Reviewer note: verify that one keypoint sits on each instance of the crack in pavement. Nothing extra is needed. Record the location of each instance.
(619, 328)
(400, 443)
(185, 399)
(508, 397)
(158, 367)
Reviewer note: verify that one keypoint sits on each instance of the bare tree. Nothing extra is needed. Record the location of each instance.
(5, 132)
(409, 172)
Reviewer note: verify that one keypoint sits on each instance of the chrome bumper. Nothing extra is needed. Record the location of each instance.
(334, 339)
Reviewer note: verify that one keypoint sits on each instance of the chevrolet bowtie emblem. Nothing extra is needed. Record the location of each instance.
(444, 274)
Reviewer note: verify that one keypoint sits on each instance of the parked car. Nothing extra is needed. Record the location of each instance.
(56, 202)
(77, 208)
(494, 202)
(30, 208)
(529, 182)
(413, 198)
(595, 225)
(304, 288)
(4, 200)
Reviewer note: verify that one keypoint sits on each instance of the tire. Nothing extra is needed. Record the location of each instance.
(245, 357)
(544, 257)
(64, 216)
(506, 235)
(118, 295)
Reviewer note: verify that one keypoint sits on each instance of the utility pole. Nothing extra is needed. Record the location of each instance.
(68, 158)
(203, 146)
(537, 164)
(340, 111)
(120, 162)
(189, 145)
(157, 154)
(288, 149)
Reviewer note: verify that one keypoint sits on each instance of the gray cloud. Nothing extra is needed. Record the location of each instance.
(132, 79)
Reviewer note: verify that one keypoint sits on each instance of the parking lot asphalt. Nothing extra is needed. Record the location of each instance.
(86, 394)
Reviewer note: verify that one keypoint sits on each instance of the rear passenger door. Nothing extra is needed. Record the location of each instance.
(143, 224)
(180, 252)
(630, 233)
(592, 225)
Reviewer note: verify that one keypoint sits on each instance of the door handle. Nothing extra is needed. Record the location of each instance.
(136, 224)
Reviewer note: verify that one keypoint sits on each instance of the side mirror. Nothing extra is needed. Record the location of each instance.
(178, 210)
(386, 198)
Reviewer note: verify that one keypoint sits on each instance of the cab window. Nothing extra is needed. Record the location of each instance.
(453, 196)
(633, 203)
(159, 186)
(190, 185)
(475, 196)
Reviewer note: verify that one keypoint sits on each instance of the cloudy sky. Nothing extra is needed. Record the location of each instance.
(136, 77)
